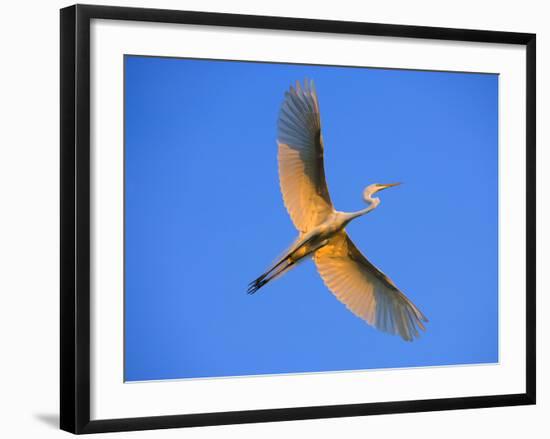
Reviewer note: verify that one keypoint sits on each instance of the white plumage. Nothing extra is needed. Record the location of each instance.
(356, 282)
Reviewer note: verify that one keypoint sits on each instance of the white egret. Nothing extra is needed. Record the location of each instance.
(363, 288)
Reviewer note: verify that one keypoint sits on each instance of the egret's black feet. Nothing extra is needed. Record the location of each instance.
(256, 285)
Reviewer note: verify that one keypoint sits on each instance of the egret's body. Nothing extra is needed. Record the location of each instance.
(364, 289)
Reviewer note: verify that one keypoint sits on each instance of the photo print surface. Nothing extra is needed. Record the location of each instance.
(286, 218)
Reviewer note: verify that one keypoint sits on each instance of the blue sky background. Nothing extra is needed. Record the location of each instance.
(204, 217)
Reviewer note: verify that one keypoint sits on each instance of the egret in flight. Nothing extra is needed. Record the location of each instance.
(363, 288)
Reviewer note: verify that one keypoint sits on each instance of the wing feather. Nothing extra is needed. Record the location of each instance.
(365, 290)
(300, 157)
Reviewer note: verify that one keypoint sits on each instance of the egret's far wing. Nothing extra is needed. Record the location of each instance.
(365, 290)
(300, 155)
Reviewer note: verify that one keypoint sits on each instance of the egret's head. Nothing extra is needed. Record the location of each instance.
(376, 187)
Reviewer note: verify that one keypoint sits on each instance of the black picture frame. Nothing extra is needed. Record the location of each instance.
(75, 217)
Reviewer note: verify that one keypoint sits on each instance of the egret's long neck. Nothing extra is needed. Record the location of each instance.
(373, 204)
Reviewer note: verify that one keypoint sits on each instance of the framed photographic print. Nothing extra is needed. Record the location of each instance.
(268, 218)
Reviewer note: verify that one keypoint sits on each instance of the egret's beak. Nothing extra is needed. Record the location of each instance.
(389, 185)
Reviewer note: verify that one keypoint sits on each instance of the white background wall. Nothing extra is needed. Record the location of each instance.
(29, 206)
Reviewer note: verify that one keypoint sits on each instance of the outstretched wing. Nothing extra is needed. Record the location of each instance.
(365, 290)
(300, 155)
